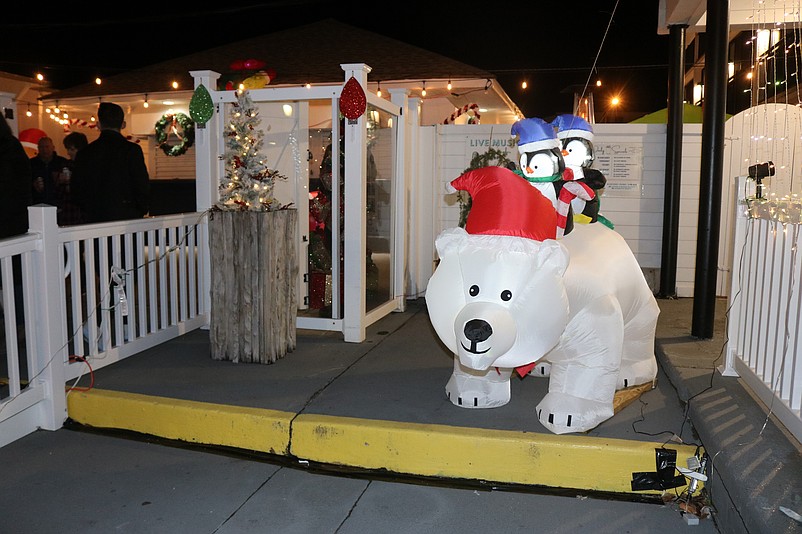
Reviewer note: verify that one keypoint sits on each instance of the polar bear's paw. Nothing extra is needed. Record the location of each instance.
(474, 392)
(541, 369)
(562, 413)
(635, 373)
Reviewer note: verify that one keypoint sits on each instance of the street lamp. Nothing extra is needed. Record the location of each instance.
(615, 101)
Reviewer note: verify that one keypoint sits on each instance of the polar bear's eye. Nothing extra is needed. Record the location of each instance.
(474, 290)
(506, 295)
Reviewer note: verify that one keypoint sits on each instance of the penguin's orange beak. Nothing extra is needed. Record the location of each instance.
(565, 152)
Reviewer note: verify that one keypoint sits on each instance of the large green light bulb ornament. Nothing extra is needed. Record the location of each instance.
(201, 107)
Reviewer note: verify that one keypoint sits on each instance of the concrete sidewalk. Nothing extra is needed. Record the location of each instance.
(378, 408)
(756, 464)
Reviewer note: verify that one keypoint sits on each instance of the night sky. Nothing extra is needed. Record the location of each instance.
(553, 44)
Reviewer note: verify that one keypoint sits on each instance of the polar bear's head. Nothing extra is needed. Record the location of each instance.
(498, 301)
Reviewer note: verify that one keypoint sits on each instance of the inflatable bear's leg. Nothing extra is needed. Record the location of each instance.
(638, 363)
(469, 388)
(542, 368)
(584, 370)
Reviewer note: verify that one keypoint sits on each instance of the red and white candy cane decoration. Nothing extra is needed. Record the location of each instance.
(78, 122)
(569, 191)
(464, 109)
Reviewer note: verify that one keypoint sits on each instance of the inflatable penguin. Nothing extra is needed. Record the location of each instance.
(542, 164)
(576, 139)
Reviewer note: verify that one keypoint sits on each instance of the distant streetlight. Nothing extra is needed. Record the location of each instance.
(615, 101)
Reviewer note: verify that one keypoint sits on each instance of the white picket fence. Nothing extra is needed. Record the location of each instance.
(92, 295)
(765, 305)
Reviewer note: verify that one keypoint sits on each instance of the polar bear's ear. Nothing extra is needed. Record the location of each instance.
(554, 255)
(450, 240)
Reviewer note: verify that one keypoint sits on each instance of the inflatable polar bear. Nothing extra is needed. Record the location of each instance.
(506, 295)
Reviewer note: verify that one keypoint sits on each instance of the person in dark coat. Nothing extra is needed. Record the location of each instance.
(110, 180)
(68, 211)
(15, 183)
(46, 166)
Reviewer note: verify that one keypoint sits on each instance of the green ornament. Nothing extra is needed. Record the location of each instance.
(201, 107)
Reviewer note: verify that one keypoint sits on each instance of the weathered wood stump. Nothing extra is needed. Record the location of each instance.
(254, 270)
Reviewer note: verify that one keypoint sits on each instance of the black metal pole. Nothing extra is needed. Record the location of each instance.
(713, 117)
(674, 123)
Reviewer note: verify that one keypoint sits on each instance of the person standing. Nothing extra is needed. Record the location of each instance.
(15, 183)
(110, 181)
(68, 211)
(45, 168)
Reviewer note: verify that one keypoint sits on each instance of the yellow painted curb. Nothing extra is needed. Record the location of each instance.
(556, 461)
(252, 429)
(498, 456)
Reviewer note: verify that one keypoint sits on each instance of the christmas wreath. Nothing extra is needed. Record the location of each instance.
(170, 123)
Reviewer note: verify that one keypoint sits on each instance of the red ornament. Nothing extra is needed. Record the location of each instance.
(237, 64)
(352, 100)
(253, 64)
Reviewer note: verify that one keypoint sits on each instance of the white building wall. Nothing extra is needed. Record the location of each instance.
(633, 200)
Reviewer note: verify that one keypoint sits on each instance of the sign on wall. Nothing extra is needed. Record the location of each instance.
(622, 165)
(480, 145)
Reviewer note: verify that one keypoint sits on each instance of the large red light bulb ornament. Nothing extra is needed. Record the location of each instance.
(353, 102)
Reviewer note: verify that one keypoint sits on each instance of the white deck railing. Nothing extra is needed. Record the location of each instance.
(764, 345)
(91, 295)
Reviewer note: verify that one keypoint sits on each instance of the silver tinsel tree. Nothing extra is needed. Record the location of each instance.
(248, 181)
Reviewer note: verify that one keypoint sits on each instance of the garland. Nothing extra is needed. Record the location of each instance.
(492, 157)
(167, 124)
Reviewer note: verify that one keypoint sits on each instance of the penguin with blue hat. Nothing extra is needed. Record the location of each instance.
(541, 163)
(576, 139)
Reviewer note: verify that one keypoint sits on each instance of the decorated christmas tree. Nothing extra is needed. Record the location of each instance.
(248, 181)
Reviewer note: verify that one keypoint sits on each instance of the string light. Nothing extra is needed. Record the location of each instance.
(524, 84)
(448, 85)
(379, 90)
(40, 76)
(423, 91)
(28, 113)
(98, 81)
(146, 104)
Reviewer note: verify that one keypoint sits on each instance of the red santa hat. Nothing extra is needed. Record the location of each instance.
(503, 203)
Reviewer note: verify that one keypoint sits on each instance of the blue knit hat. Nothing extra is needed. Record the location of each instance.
(534, 134)
(568, 125)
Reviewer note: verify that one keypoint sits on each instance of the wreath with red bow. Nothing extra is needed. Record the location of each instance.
(179, 124)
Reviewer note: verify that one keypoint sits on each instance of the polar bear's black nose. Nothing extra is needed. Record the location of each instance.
(478, 330)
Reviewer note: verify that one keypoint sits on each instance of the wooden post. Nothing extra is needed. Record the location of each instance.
(254, 267)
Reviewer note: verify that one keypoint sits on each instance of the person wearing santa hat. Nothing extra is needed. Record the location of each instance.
(542, 165)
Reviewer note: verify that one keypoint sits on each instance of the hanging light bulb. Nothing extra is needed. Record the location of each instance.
(98, 81)
(28, 113)
(524, 84)
(379, 90)
(40, 76)
(423, 91)
(448, 86)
